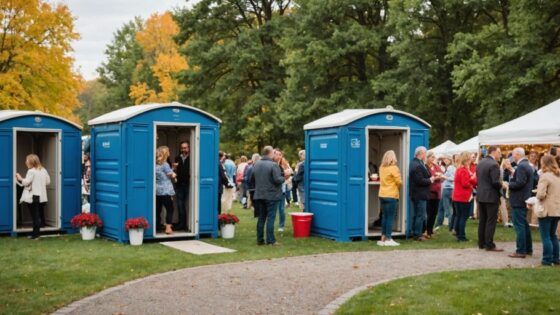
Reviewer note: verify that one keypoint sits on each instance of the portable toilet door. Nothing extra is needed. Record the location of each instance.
(343, 150)
(123, 147)
(57, 143)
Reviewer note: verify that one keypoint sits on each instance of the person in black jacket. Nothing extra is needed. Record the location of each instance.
(420, 181)
(520, 186)
(488, 196)
(268, 178)
(223, 180)
(182, 167)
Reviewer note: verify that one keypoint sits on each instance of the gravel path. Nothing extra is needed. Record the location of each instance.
(296, 285)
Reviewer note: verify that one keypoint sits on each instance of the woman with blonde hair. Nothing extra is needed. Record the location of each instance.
(35, 182)
(465, 181)
(504, 175)
(164, 188)
(389, 185)
(548, 192)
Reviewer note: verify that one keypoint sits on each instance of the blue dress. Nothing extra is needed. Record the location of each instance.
(164, 186)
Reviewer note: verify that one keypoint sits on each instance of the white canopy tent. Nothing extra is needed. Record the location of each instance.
(470, 146)
(444, 148)
(541, 126)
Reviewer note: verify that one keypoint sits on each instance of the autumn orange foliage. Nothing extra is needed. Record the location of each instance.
(35, 67)
(161, 55)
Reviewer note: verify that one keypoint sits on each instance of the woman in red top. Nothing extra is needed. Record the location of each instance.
(435, 194)
(465, 181)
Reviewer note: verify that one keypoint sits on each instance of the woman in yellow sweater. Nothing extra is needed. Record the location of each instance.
(390, 183)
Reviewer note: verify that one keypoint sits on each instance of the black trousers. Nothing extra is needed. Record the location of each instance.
(167, 202)
(431, 211)
(488, 217)
(35, 209)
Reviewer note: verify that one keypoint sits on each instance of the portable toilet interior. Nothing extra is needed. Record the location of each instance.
(123, 145)
(343, 150)
(56, 141)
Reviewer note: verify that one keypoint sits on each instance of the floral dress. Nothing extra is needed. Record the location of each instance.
(164, 186)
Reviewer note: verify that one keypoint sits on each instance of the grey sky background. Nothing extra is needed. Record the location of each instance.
(98, 20)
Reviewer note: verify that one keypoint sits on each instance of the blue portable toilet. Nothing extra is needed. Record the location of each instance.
(342, 151)
(123, 145)
(57, 143)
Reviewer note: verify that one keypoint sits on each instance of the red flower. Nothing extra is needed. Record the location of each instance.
(136, 223)
(227, 218)
(86, 220)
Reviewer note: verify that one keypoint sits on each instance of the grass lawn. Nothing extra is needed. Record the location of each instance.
(513, 291)
(41, 276)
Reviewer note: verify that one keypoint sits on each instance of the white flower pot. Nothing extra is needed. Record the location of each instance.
(136, 236)
(88, 233)
(228, 231)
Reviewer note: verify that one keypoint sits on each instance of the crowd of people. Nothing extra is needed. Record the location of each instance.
(520, 186)
(267, 183)
(448, 189)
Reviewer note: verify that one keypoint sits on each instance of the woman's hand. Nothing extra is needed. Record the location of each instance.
(18, 177)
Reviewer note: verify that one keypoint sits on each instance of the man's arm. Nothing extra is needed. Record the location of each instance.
(495, 179)
(418, 177)
(277, 174)
(519, 180)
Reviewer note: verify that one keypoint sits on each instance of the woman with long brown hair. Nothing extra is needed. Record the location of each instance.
(435, 194)
(35, 181)
(164, 188)
(548, 192)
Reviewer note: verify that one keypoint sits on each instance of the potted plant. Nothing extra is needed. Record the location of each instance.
(88, 224)
(135, 228)
(227, 223)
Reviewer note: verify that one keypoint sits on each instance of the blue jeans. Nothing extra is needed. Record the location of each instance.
(182, 192)
(522, 231)
(389, 207)
(547, 227)
(419, 217)
(445, 207)
(461, 216)
(267, 214)
(281, 206)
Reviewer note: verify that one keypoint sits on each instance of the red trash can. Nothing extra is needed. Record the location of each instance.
(301, 222)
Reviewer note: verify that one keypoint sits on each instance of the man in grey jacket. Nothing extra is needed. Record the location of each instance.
(268, 178)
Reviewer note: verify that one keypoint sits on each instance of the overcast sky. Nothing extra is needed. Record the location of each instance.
(98, 20)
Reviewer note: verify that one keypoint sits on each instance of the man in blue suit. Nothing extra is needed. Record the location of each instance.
(520, 187)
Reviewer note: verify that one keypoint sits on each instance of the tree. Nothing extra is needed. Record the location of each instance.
(93, 98)
(35, 68)
(118, 72)
(235, 68)
(512, 65)
(422, 81)
(161, 58)
(334, 52)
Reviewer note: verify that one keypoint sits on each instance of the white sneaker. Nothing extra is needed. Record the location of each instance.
(437, 228)
(391, 242)
(280, 229)
(380, 243)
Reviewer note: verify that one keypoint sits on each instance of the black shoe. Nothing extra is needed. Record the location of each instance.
(261, 243)
(33, 237)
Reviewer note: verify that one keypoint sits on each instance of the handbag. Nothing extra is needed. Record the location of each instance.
(539, 210)
(26, 195)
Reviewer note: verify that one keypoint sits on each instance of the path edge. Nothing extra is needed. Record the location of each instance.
(335, 304)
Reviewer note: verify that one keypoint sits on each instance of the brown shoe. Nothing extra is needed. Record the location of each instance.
(495, 249)
(516, 255)
(420, 239)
